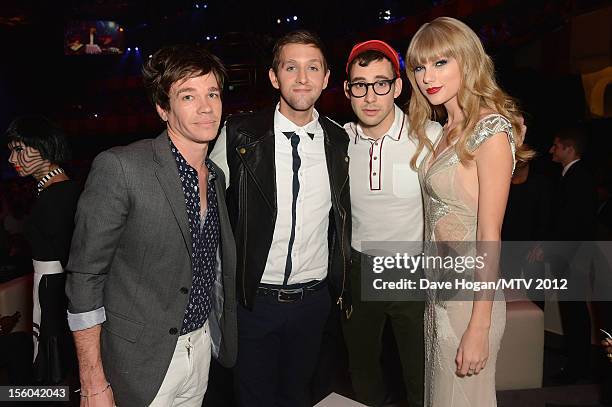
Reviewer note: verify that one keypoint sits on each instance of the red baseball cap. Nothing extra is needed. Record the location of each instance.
(375, 45)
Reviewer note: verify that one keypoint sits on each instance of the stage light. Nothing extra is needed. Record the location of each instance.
(96, 115)
(288, 19)
(197, 6)
(136, 49)
(205, 5)
(215, 37)
(121, 29)
(150, 55)
(278, 21)
(129, 49)
(294, 18)
(207, 38)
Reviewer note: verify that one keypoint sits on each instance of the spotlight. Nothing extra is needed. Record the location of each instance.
(278, 21)
(136, 49)
(215, 37)
(207, 38)
(96, 115)
(150, 56)
(205, 5)
(197, 6)
(294, 18)
(129, 49)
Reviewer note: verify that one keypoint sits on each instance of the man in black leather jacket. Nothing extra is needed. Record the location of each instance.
(288, 199)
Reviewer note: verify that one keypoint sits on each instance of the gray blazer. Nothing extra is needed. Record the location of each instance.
(131, 254)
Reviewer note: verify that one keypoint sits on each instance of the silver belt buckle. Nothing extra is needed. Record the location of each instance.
(281, 291)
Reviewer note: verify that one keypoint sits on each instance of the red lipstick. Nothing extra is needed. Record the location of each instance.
(433, 90)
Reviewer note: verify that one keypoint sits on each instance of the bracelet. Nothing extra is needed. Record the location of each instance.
(95, 394)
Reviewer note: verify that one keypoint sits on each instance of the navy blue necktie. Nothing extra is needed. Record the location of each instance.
(297, 162)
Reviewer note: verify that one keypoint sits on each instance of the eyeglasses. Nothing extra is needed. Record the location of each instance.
(360, 89)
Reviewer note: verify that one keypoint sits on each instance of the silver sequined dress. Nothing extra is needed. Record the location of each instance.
(450, 194)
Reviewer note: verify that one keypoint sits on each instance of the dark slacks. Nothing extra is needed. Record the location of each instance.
(363, 336)
(278, 348)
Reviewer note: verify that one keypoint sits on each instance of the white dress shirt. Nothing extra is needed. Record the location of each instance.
(386, 200)
(567, 167)
(309, 250)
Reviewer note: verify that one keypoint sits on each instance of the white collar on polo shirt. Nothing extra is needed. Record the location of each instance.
(283, 124)
(395, 131)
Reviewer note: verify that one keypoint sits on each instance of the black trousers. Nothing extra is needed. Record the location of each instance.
(363, 334)
(278, 348)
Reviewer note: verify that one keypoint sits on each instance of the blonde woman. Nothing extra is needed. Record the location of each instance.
(465, 180)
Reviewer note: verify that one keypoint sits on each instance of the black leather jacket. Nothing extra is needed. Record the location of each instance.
(251, 201)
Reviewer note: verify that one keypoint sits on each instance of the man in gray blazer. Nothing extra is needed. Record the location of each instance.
(151, 270)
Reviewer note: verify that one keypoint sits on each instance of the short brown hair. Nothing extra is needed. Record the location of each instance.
(574, 136)
(297, 37)
(176, 63)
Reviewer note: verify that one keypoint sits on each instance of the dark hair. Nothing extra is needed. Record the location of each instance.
(175, 63)
(296, 37)
(366, 57)
(573, 137)
(40, 133)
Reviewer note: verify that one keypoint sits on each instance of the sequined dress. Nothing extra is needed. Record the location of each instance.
(450, 195)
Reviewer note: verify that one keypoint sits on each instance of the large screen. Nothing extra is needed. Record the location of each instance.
(93, 38)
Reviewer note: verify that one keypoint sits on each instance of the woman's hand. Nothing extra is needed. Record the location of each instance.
(473, 351)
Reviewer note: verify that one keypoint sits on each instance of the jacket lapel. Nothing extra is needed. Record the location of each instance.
(336, 155)
(168, 177)
(257, 155)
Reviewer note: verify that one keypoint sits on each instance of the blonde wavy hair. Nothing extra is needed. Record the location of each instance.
(446, 37)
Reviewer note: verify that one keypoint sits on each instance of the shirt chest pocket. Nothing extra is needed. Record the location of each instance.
(405, 183)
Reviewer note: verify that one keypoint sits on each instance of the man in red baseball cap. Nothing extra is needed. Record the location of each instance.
(386, 207)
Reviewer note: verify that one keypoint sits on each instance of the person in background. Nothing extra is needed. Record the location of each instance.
(574, 222)
(37, 149)
(527, 222)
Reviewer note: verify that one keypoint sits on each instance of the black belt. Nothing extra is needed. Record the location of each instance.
(290, 293)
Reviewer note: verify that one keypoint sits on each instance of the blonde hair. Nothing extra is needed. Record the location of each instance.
(447, 37)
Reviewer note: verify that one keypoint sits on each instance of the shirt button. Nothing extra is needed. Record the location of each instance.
(184, 290)
(374, 174)
(173, 331)
(376, 158)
